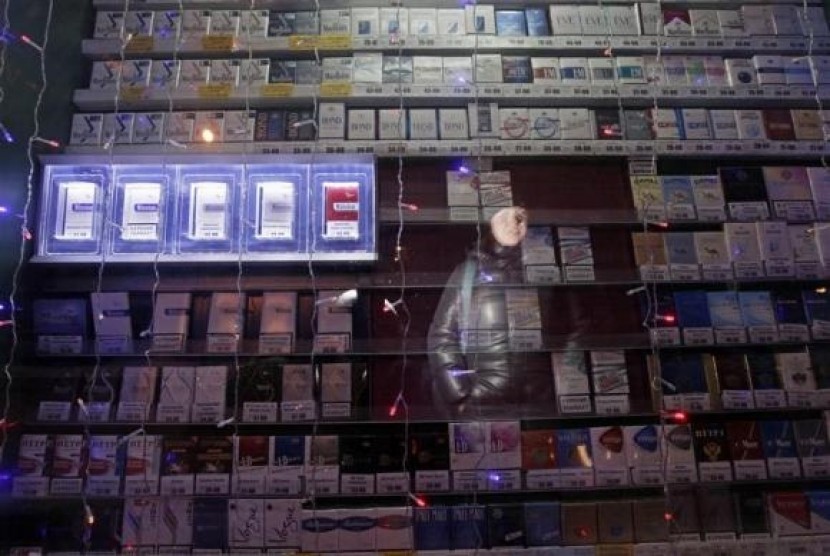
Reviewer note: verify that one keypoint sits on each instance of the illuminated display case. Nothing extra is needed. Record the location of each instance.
(208, 209)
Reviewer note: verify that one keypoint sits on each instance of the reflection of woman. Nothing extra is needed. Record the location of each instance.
(468, 341)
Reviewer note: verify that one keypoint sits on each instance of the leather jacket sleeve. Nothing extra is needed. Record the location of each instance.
(444, 343)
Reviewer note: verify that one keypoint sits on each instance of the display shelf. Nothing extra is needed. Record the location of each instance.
(486, 147)
(326, 4)
(278, 95)
(241, 46)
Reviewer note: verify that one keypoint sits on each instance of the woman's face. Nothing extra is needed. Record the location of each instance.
(509, 226)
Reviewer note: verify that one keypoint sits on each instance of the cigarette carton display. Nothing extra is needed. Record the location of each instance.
(577, 254)
(609, 453)
(511, 23)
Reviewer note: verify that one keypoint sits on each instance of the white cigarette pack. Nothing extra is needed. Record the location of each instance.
(367, 67)
(148, 128)
(666, 123)
(423, 21)
(724, 124)
(108, 24)
(514, 123)
(453, 123)
(565, 20)
(86, 129)
(488, 68)
(118, 128)
(195, 23)
(740, 72)
(731, 23)
(105, 75)
(602, 71)
(769, 69)
(650, 18)
(393, 22)
(193, 73)
(430, 69)
(179, 126)
(786, 21)
(254, 23)
(335, 22)
(139, 22)
(392, 123)
(674, 70)
(458, 70)
(631, 70)
(338, 70)
(452, 21)
(757, 20)
(593, 20)
(224, 22)
(820, 66)
(365, 22)
(135, 73)
(254, 72)
(622, 20)
(696, 123)
(423, 123)
(480, 19)
(576, 123)
(210, 121)
(704, 22)
(574, 71)
(545, 123)
(715, 71)
(797, 70)
(750, 124)
(362, 124)
(332, 120)
(545, 70)
(239, 125)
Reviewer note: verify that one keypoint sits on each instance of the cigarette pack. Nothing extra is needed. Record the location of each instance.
(667, 123)
(537, 22)
(593, 21)
(752, 514)
(631, 70)
(432, 528)
(452, 21)
(193, 73)
(696, 71)
(820, 67)
(574, 71)
(757, 20)
(253, 23)
(650, 18)
(745, 192)
(807, 125)
(286, 465)
(322, 469)
(609, 455)
(615, 522)
(431, 461)
(246, 523)
(680, 454)
(731, 23)
(577, 254)
(362, 124)
(692, 309)
(696, 124)
(213, 465)
(480, 19)
(778, 125)
(542, 523)
(118, 128)
(750, 125)
(394, 528)
(337, 70)
(423, 123)
(573, 451)
(195, 23)
(179, 127)
(715, 71)
(209, 394)
(712, 452)
(332, 120)
(788, 187)
(139, 22)
(392, 124)
(335, 22)
(458, 70)
(797, 71)
(469, 527)
(776, 250)
(87, 129)
(539, 459)
(622, 20)
(579, 523)
(677, 23)
(505, 525)
(365, 22)
(514, 123)
(239, 126)
(704, 22)
(740, 72)
(576, 123)
(813, 447)
(283, 24)
(789, 514)
(108, 24)
(602, 71)
(430, 69)
(178, 466)
(780, 449)
(516, 69)
(104, 466)
(511, 23)
(453, 123)
(769, 69)
(357, 464)
(142, 467)
(250, 464)
(572, 384)
(638, 125)
(643, 454)
(814, 21)
(488, 68)
(483, 120)
(367, 67)
(140, 523)
(817, 306)
(786, 21)
(724, 309)
(650, 525)
(224, 22)
(394, 21)
(282, 526)
(68, 464)
(820, 187)
(423, 21)
(565, 20)
(545, 123)
(724, 124)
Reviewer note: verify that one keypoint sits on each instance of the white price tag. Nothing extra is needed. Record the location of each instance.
(737, 399)
(259, 412)
(543, 274)
(654, 273)
(132, 412)
(613, 404)
(222, 343)
(681, 212)
(357, 484)
(795, 211)
(711, 214)
(672, 402)
(102, 486)
(177, 485)
(275, 344)
(337, 410)
(749, 271)
(611, 477)
(808, 270)
(66, 487)
(665, 336)
(730, 336)
(525, 340)
(141, 486)
(432, 481)
(464, 214)
(469, 481)
(715, 471)
(688, 272)
(392, 483)
(298, 411)
(331, 343)
(763, 334)
(249, 485)
(698, 336)
(208, 413)
(647, 475)
(504, 479)
(324, 480)
(750, 470)
(54, 411)
(579, 274)
(60, 345)
(574, 404)
(696, 401)
(770, 399)
(110, 345)
(212, 484)
(717, 272)
(542, 479)
(779, 269)
(820, 329)
(576, 477)
(800, 399)
(30, 487)
(749, 211)
(816, 466)
(172, 414)
(168, 342)
(96, 412)
(285, 481)
(784, 468)
(793, 332)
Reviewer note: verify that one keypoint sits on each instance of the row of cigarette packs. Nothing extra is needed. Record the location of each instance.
(633, 19)
(463, 460)
(732, 380)
(199, 394)
(377, 68)
(743, 250)
(792, 193)
(485, 120)
(69, 318)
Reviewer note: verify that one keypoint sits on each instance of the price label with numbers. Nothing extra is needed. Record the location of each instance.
(168, 413)
(779, 268)
(469, 480)
(110, 345)
(357, 483)
(285, 480)
(323, 479)
(687, 272)
(525, 340)
(784, 468)
(215, 91)
(60, 345)
(698, 336)
(715, 471)
(717, 272)
(801, 399)
(654, 273)
(737, 399)
(749, 270)
(770, 399)
(244, 484)
(30, 487)
(793, 332)
(432, 481)
(177, 485)
(292, 412)
(749, 211)
(277, 90)
(140, 43)
(391, 483)
(611, 477)
(808, 270)
(542, 479)
(750, 470)
(613, 404)
(212, 484)
(65, 486)
(168, 342)
(729, 336)
(54, 412)
(503, 479)
(816, 466)
(543, 274)
(331, 343)
(132, 412)
(820, 329)
(337, 410)
(208, 412)
(578, 477)
(679, 212)
(763, 334)
(665, 336)
(569, 405)
(141, 486)
(696, 401)
(218, 43)
(260, 412)
(711, 214)
(102, 486)
(647, 475)
(579, 273)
